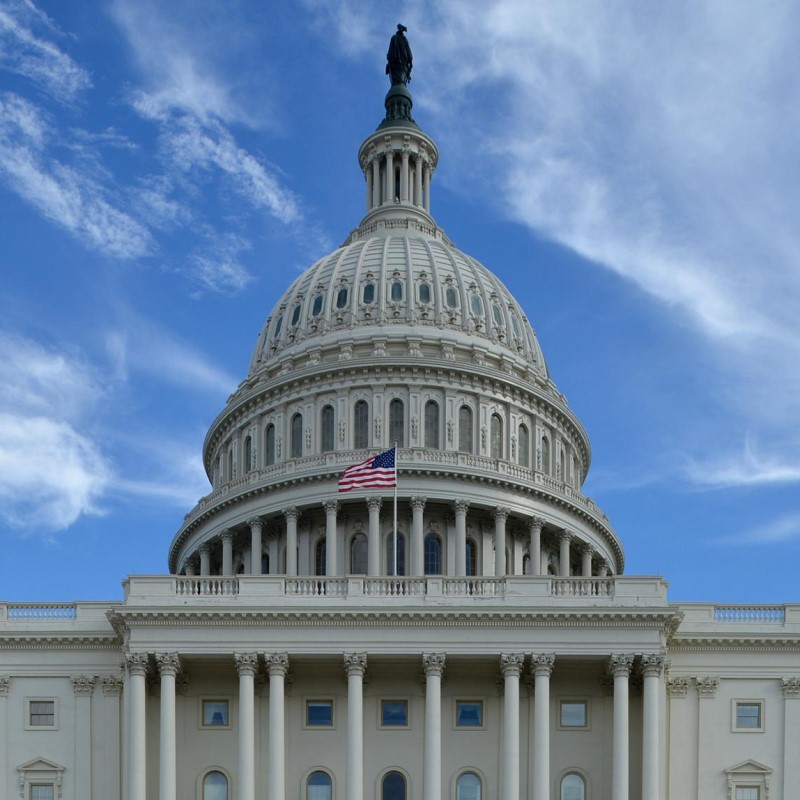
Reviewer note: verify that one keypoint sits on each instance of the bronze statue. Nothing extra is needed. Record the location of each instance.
(399, 59)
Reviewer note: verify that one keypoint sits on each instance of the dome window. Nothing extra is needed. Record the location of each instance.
(368, 294)
(361, 425)
(451, 297)
(397, 418)
(278, 325)
(477, 305)
(432, 424)
(497, 315)
(515, 326)
(296, 314)
(297, 436)
(326, 424)
(424, 293)
(496, 436)
(316, 308)
(341, 297)
(524, 444)
(397, 292)
(465, 429)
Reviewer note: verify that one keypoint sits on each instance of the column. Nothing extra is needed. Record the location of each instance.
(418, 180)
(603, 570)
(417, 536)
(564, 538)
(404, 176)
(246, 666)
(542, 665)
(277, 666)
(205, 560)
(5, 685)
(83, 687)
(791, 735)
(227, 551)
(500, 517)
(652, 666)
(389, 196)
(355, 665)
(168, 666)
(428, 188)
(112, 745)
(291, 515)
(368, 179)
(256, 527)
(535, 547)
(331, 539)
(433, 666)
(137, 753)
(374, 535)
(587, 553)
(511, 665)
(376, 181)
(620, 666)
(188, 567)
(460, 507)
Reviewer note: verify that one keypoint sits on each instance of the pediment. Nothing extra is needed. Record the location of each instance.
(40, 765)
(749, 767)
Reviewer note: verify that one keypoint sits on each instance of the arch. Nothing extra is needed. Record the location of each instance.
(465, 429)
(319, 786)
(496, 437)
(215, 785)
(326, 424)
(397, 422)
(361, 425)
(432, 554)
(359, 554)
(248, 454)
(394, 786)
(320, 556)
(472, 558)
(572, 786)
(469, 786)
(401, 553)
(524, 446)
(432, 424)
(269, 445)
(296, 436)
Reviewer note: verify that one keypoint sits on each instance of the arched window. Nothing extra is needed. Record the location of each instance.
(296, 314)
(320, 557)
(477, 305)
(248, 454)
(319, 786)
(316, 308)
(451, 297)
(573, 787)
(341, 297)
(215, 786)
(397, 426)
(269, 445)
(496, 437)
(296, 449)
(433, 554)
(401, 554)
(359, 555)
(397, 292)
(361, 425)
(424, 293)
(465, 429)
(326, 425)
(278, 325)
(432, 424)
(468, 787)
(393, 786)
(230, 464)
(524, 446)
(545, 454)
(497, 315)
(368, 295)
(472, 558)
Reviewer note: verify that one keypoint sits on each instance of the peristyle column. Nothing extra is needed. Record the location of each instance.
(417, 536)
(137, 759)
(404, 176)
(564, 538)
(376, 180)
(542, 665)
(277, 666)
(290, 514)
(331, 539)
(460, 507)
(246, 666)
(256, 527)
(168, 666)
(652, 667)
(227, 551)
(587, 553)
(374, 535)
(511, 665)
(620, 666)
(390, 187)
(535, 547)
(433, 666)
(205, 560)
(500, 517)
(355, 665)
(418, 180)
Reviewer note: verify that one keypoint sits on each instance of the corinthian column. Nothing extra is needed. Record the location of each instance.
(137, 763)
(227, 551)
(168, 666)
(433, 666)
(246, 666)
(500, 517)
(331, 539)
(291, 515)
(256, 527)
(374, 535)
(535, 548)
(542, 669)
(620, 666)
(564, 538)
(355, 665)
(652, 666)
(460, 507)
(511, 666)
(417, 536)
(277, 666)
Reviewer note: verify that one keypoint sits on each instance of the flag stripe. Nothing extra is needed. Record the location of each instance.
(375, 472)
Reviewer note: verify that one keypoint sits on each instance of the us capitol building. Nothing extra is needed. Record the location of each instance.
(497, 652)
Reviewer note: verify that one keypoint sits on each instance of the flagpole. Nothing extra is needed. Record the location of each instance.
(394, 512)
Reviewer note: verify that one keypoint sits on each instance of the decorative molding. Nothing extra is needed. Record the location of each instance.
(277, 664)
(83, 685)
(374, 502)
(512, 664)
(433, 664)
(5, 685)
(707, 687)
(791, 687)
(678, 687)
(112, 685)
(331, 506)
(461, 506)
(620, 664)
(355, 664)
(291, 512)
(417, 502)
(255, 522)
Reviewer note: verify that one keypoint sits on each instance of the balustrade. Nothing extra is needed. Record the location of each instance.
(758, 614)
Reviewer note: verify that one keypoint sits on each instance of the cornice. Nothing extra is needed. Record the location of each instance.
(736, 644)
(55, 642)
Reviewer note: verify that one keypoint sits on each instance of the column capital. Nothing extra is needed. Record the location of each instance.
(587, 549)
(791, 687)
(678, 687)
(707, 687)
(5, 684)
(512, 664)
(620, 664)
(433, 664)
(331, 506)
(168, 663)
(542, 664)
(112, 685)
(137, 663)
(501, 512)
(226, 534)
(277, 664)
(461, 506)
(374, 502)
(203, 550)
(536, 523)
(292, 512)
(417, 502)
(256, 522)
(604, 568)
(355, 663)
(83, 685)
(565, 536)
(652, 665)
(246, 663)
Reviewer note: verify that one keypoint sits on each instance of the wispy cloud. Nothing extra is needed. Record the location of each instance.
(746, 468)
(216, 266)
(785, 528)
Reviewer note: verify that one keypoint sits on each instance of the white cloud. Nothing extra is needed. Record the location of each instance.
(785, 528)
(217, 267)
(747, 468)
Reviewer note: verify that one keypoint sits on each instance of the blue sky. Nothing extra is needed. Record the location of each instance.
(629, 170)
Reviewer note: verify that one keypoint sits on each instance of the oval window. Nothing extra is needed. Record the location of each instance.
(477, 305)
(316, 309)
(368, 295)
(278, 326)
(515, 326)
(341, 297)
(296, 314)
(397, 291)
(498, 317)
(451, 297)
(424, 293)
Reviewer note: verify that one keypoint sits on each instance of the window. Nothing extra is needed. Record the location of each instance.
(469, 713)
(397, 292)
(401, 554)
(748, 715)
(269, 446)
(316, 308)
(296, 314)
(524, 445)
(320, 557)
(341, 297)
(573, 714)
(248, 454)
(742, 793)
(265, 564)
(359, 550)
(397, 423)
(278, 325)
(326, 424)
(451, 297)
(393, 786)
(433, 554)
(545, 454)
(215, 786)
(497, 315)
(496, 437)
(41, 713)
(465, 429)
(515, 326)
(394, 713)
(477, 305)
(216, 714)
(361, 425)
(230, 464)
(297, 436)
(424, 293)
(319, 786)
(42, 791)
(472, 558)
(432, 424)
(368, 295)
(319, 713)
(573, 787)
(468, 787)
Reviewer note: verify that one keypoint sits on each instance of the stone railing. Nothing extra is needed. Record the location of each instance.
(756, 614)
(474, 587)
(582, 587)
(394, 587)
(211, 586)
(40, 612)
(316, 587)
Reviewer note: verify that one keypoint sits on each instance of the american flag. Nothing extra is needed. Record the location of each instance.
(376, 472)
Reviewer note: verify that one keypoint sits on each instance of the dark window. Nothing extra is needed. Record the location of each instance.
(394, 713)
(341, 297)
(278, 325)
(297, 436)
(469, 713)
(393, 787)
(477, 305)
(361, 425)
(451, 297)
(319, 786)
(465, 429)
(215, 713)
(319, 713)
(359, 551)
(248, 454)
(368, 295)
(401, 554)
(524, 445)
(424, 293)
(433, 554)
(326, 423)
(397, 291)
(215, 786)
(545, 454)
(320, 557)
(748, 715)
(496, 437)
(472, 558)
(397, 423)
(432, 424)
(316, 309)
(515, 326)
(468, 787)
(42, 713)
(296, 314)
(573, 714)
(497, 315)
(269, 445)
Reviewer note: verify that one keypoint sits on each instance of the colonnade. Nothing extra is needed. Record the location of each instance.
(512, 668)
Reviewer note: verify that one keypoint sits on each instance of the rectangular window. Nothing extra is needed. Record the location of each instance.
(215, 714)
(319, 713)
(41, 713)
(748, 715)
(573, 714)
(42, 791)
(394, 713)
(469, 713)
(747, 793)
